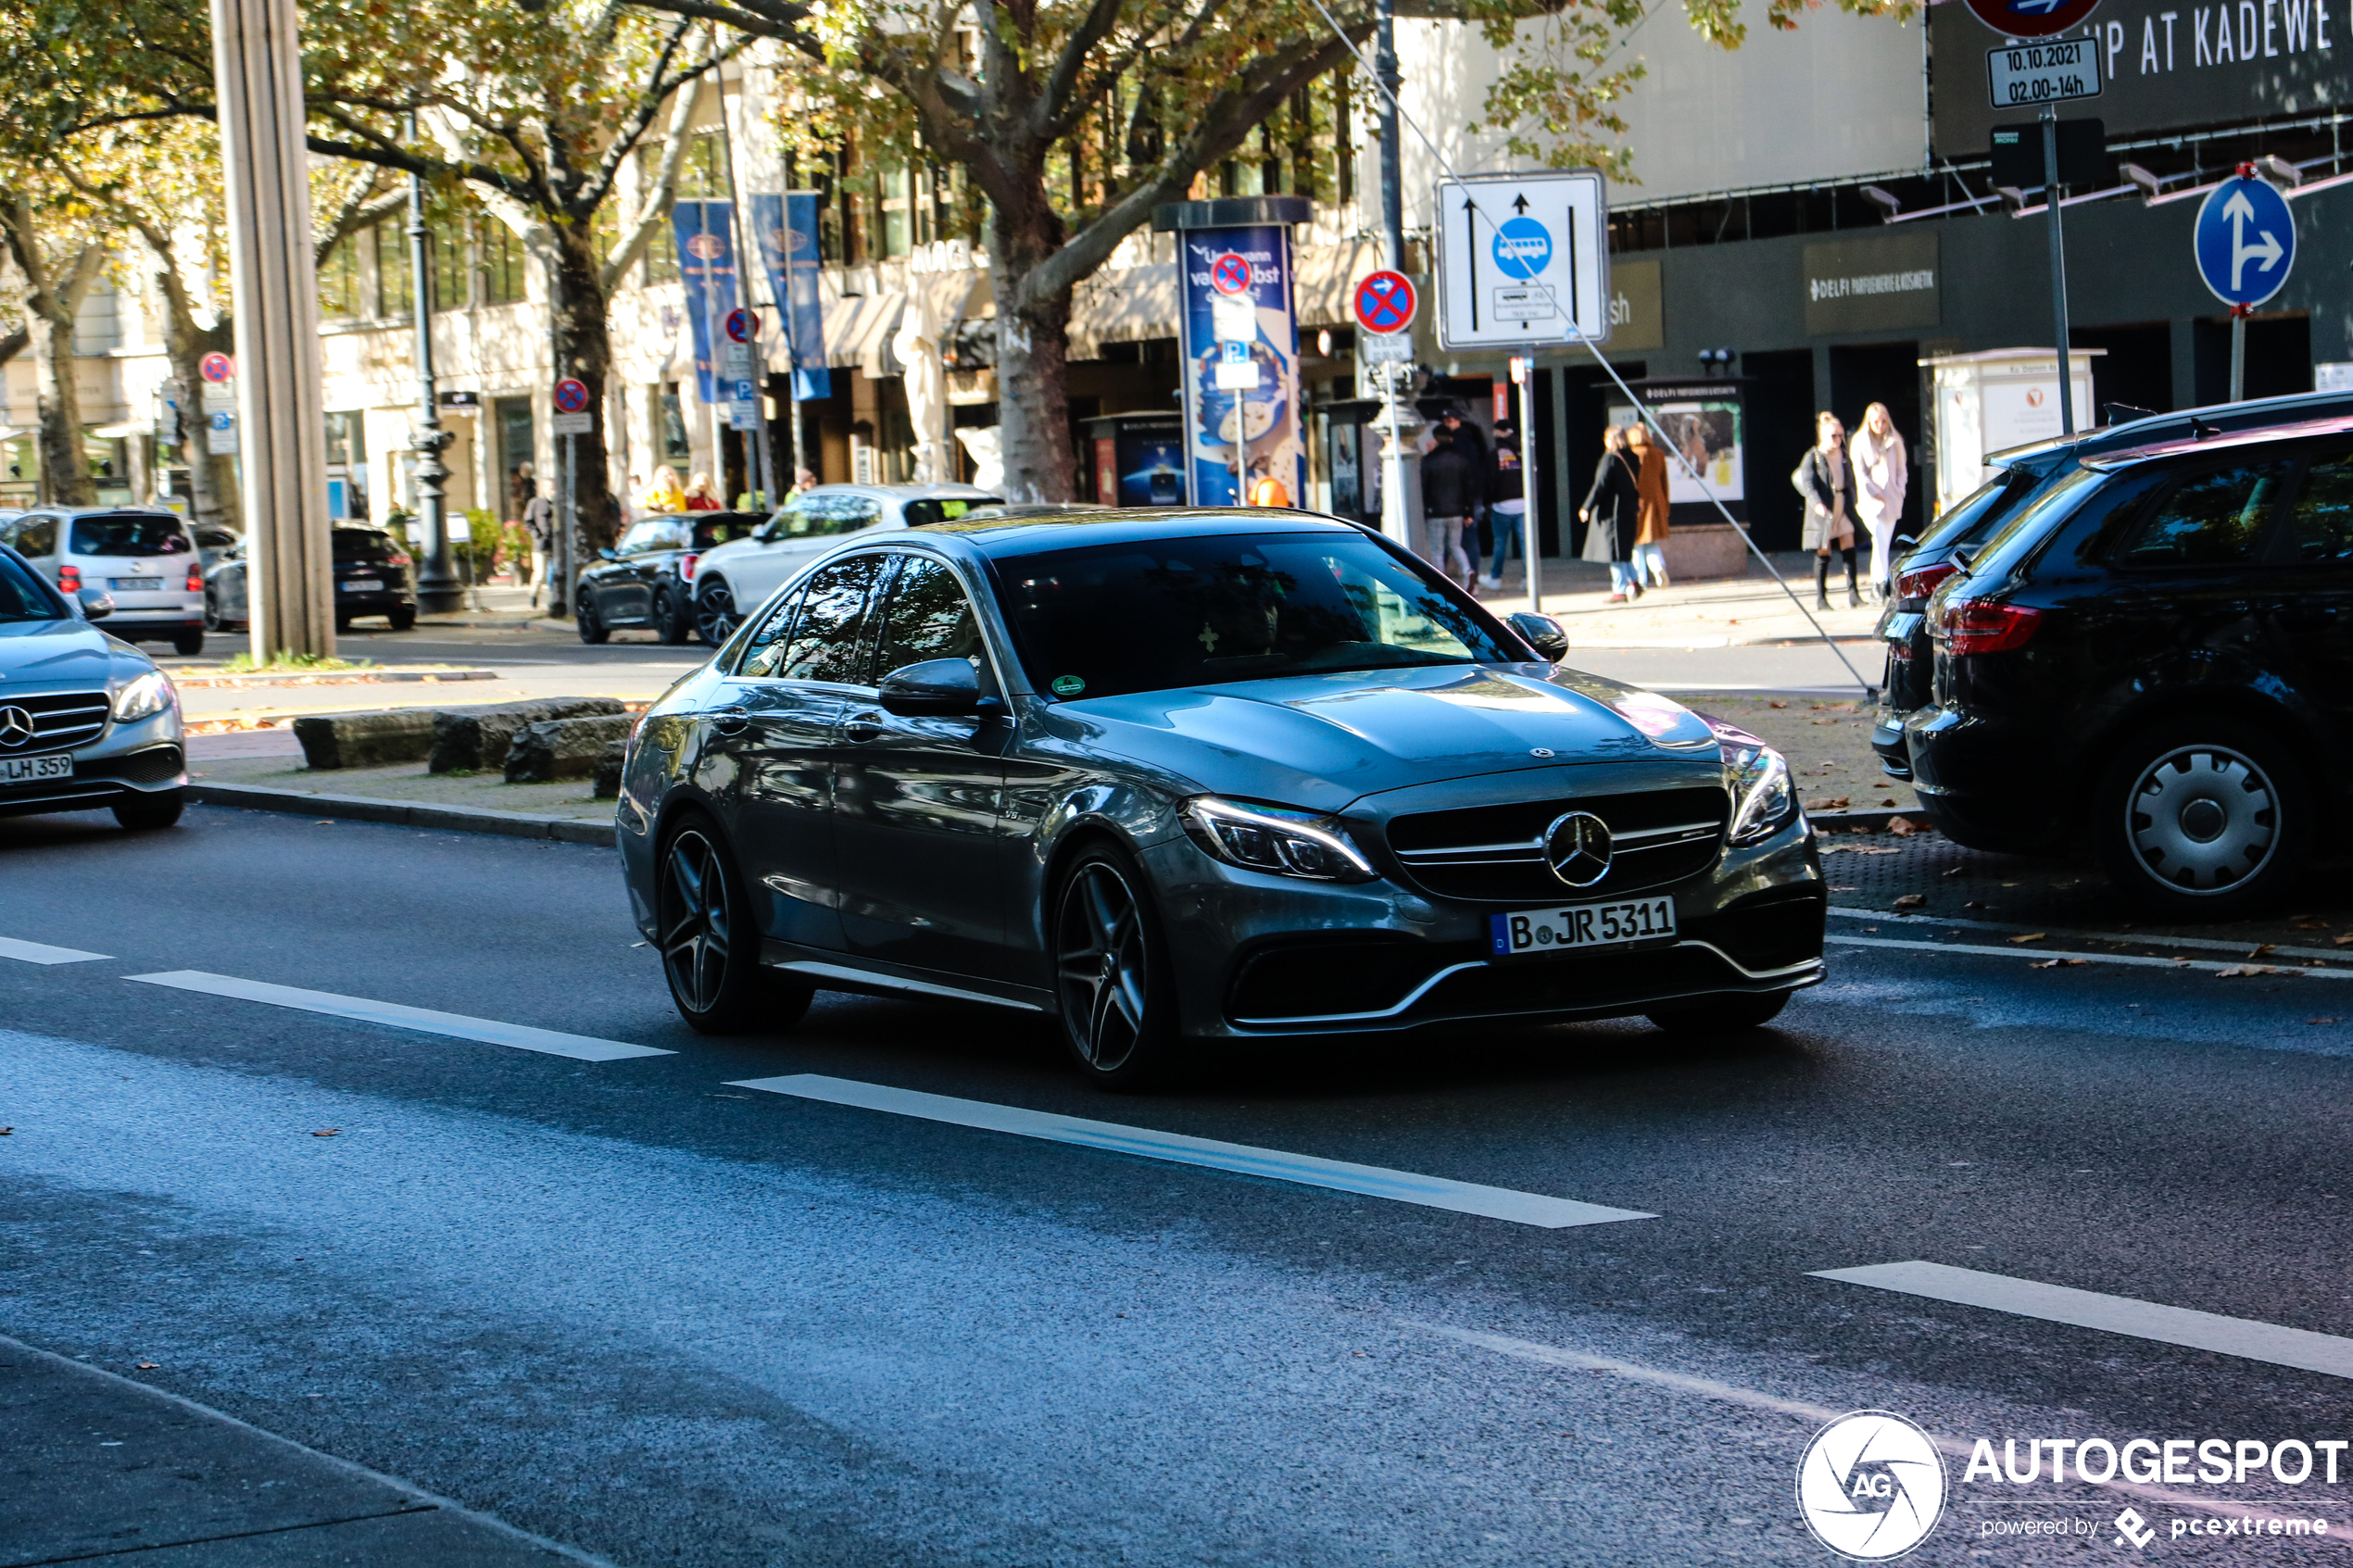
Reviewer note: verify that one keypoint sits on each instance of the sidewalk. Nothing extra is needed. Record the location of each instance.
(1713, 613)
(100, 1466)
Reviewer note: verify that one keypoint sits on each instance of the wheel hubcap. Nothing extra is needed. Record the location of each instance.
(1103, 966)
(694, 921)
(715, 611)
(2204, 819)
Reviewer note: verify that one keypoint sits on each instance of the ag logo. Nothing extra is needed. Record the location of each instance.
(1872, 1486)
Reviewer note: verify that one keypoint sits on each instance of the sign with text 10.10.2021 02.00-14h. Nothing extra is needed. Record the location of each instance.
(2052, 71)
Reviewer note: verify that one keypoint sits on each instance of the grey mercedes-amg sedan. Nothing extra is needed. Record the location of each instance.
(1184, 775)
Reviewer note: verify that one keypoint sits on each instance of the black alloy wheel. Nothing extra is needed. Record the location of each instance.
(709, 944)
(673, 623)
(148, 812)
(1110, 973)
(584, 621)
(2204, 819)
(212, 604)
(715, 619)
(187, 645)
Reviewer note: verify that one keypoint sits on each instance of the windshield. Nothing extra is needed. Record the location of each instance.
(1145, 617)
(2055, 502)
(922, 512)
(23, 595)
(1968, 518)
(129, 534)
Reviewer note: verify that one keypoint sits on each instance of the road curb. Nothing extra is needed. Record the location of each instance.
(405, 813)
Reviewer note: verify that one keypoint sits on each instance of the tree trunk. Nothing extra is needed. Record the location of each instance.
(583, 350)
(57, 400)
(212, 482)
(1033, 358)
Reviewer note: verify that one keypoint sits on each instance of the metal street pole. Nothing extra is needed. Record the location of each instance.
(437, 590)
(2058, 269)
(1398, 507)
(257, 53)
(2238, 352)
(1524, 373)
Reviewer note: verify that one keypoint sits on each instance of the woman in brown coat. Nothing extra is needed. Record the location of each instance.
(1650, 489)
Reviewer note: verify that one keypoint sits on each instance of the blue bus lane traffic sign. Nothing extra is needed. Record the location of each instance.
(2244, 241)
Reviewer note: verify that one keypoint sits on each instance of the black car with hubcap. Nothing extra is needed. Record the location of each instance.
(647, 580)
(2155, 658)
(1198, 775)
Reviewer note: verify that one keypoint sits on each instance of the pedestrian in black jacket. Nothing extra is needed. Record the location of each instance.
(1611, 507)
(1451, 483)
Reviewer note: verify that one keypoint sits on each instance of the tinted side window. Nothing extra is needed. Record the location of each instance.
(766, 651)
(2209, 519)
(929, 617)
(2323, 515)
(830, 633)
(37, 536)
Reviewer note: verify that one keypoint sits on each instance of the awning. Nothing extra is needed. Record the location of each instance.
(858, 328)
(1125, 306)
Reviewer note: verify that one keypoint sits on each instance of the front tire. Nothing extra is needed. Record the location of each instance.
(403, 620)
(709, 944)
(212, 614)
(2204, 819)
(584, 621)
(1112, 977)
(1721, 1015)
(715, 619)
(150, 812)
(187, 645)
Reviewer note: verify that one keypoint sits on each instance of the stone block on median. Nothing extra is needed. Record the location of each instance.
(365, 740)
(563, 749)
(608, 765)
(474, 739)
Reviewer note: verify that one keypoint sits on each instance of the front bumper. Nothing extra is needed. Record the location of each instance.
(124, 763)
(1257, 956)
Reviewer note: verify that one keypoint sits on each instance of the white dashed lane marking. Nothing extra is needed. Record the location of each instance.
(2244, 1338)
(40, 952)
(522, 1037)
(1372, 1181)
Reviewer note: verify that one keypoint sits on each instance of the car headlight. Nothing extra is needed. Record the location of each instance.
(1763, 797)
(147, 696)
(1275, 839)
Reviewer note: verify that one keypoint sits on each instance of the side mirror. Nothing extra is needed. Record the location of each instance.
(1542, 633)
(937, 688)
(608, 555)
(96, 604)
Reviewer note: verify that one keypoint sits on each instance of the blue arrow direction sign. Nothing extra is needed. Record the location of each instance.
(2244, 241)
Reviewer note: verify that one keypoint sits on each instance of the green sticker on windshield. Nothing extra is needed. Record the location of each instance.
(1068, 685)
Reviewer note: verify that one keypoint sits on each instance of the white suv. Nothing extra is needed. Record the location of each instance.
(738, 577)
(142, 557)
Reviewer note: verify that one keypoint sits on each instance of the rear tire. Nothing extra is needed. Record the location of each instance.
(583, 620)
(1721, 1015)
(1111, 979)
(2204, 819)
(187, 645)
(715, 619)
(710, 943)
(672, 622)
(213, 621)
(150, 812)
(403, 620)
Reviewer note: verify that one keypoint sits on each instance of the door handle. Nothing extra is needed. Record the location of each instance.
(860, 728)
(731, 720)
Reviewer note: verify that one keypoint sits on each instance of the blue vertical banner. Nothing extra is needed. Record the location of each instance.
(705, 232)
(787, 227)
(1242, 363)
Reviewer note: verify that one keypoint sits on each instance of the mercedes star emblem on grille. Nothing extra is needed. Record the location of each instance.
(15, 728)
(1577, 849)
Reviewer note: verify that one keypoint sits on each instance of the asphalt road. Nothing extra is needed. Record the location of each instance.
(629, 1306)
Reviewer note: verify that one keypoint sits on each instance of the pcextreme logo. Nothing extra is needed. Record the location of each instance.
(1871, 1486)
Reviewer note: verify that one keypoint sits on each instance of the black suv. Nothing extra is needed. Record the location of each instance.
(2021, 474)
(2155, 657)
(648, 579)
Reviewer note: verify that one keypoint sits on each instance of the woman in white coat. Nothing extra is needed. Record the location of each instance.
(1881, 474)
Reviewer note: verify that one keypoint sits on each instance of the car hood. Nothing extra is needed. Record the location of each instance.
(35, 654)
(1322, 741)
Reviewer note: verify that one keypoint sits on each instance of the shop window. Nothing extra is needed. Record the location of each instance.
(503, 261)
(452, 273)
(339, 282)
(394, 294)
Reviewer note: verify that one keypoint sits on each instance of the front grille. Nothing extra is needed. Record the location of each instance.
(59, 721)
(1590, 983)
(1495, 854)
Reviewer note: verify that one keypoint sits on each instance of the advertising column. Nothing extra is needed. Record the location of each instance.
(1241, 347)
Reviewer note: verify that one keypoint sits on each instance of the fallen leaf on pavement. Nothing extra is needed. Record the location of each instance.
(2343, 941)
(2057, 963)
(2038, 936)
(1838, 802)
(1980, 903)
(1914, 900)
(1904, 827)
(151, 1366)
(5, 1131)
(1834, 888)
(2259, 951)
(1958, 870)
(333, 1131)
(2246, 971)
(2055, 363)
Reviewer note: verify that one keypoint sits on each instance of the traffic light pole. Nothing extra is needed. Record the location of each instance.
(2059, 269)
